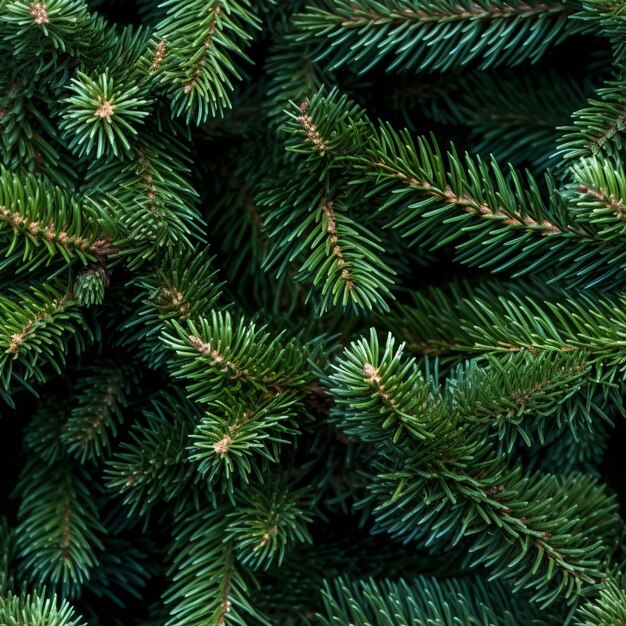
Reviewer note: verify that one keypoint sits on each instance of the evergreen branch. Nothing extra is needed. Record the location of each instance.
(148, 197)
(598, 129)
(152, 465)
(500, 223)
(493, 218)
(181, 287)
(125, 53)
(266, 522)
(198, 42)
(28, 139)
(369, 399)
(100, 397)
(408, 35)
(52, 25)
(549, 536)
(609, 607)
(42, 222)
(452, 484)
(497, 319)
(90, 285)
(99, 116)
(238, 438)
(37, 610)
(295, 450)
(423, 601)
(207, 586)
(332, 248)
(37, 330)
(215, 352)
(607, 19)
(528, 396)
(420, 166)
(598, 193)
(521, 395)
(325, 127)
(59, 531)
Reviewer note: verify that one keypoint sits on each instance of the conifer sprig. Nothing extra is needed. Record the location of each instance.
(151, 466)
(37, 610)
(38, 329)
(100, 116)
(453, 484)
(409, 35)
(597, 130)
(362, 602)
(41, 222)
(217, 351)
(235, 441)
(207, 583)
(195, 55)
(60, 531)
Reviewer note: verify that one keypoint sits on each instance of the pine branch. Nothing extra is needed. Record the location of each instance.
(495, 219)
(51, 25)
(501, 319)
(59, 531)
(152, 466)
(598, 129)
(181, 287)
(216, 352)
(100, 398)
(409, 35)
(235, 440)
(424, 600)
(528, 396)
(371, 403)
(148, 197)
(608, 608)
(330, 239)
(38, 329)
(598, 196)
(37, 610)
(99, 115)
(552, 536)
(266, 521)
(90, 285)
(207, 586)
(43, 222)
(332, 249)
(196, 45)
(29, 143)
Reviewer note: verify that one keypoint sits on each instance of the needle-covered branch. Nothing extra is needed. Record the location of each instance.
(423, 600)
(412, 35)
(549, 536)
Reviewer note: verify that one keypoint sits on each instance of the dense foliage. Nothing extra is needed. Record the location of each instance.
(312, 312)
